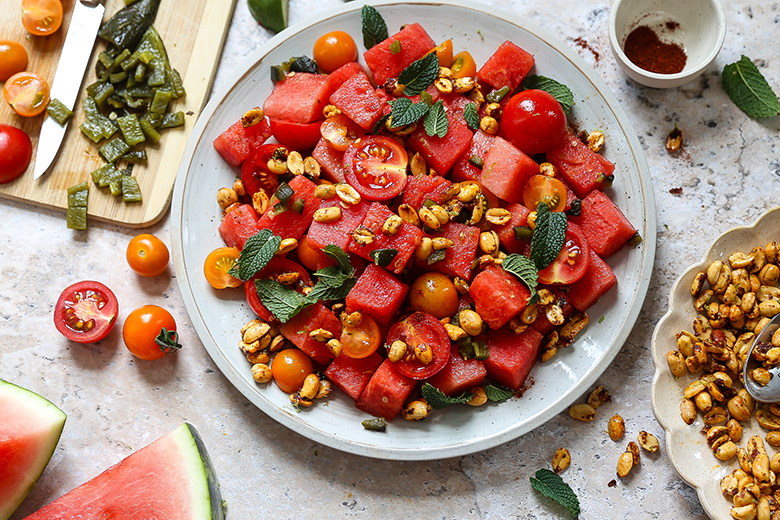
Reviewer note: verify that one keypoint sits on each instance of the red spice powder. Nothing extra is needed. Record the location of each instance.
(646, 50)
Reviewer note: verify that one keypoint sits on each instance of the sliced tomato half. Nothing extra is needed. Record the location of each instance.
(376, 167)
(86, 312)
(340, 132)
(421, 328)
(572, 262)
(255, 173)
(271, 271)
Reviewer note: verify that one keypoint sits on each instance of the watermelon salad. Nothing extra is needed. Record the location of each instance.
(416, 232)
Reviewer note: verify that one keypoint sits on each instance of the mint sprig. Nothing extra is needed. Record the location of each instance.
(419, 75)
(374, 27)
(436, 122)
(523, 268)
(405, 112)
(438, 399)
(258, 250)
(749, 90)
(557, 90)
(280, 300)
(552, 486)
(549, 236)
(470, 115)
(341, 257)
(498, 394)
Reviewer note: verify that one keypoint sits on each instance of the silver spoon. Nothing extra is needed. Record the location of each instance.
(771, 392)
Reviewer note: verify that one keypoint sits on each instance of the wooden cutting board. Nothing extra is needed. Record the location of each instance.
(193, 32)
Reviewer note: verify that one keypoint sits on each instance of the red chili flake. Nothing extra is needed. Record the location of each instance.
(676, 191)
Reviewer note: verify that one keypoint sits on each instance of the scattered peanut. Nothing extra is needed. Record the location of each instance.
(561, 460)
(616, 428)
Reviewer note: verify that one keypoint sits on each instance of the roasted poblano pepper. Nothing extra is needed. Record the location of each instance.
(126, 27)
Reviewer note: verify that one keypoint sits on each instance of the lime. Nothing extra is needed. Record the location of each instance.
(271, 14)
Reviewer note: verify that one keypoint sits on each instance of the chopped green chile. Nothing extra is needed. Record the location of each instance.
(79, 193)
(101, 93)
(284, 193)
(117, 77)
(523, 233)
(174, 81)
(156, 76)
(480, 350)
(152, 135)
(114, 149)
(135, 157)
(131, 192)
(497, 95)
(106, 59)
(131, 129)
(298, 205)
(476, 160)
(277, 73)
(131, 61)
(172, 120)
(154, 119)
(383, 257)
(395, 47)
(77, 217)
(90, 107)
(58, 111)
(116, 101)
(77, 206)
(160, 101)
(103, 175)
(303, 64)
(465, 348)
(607, 180)
(575, 208)
(635, 240)
(375, 424)
(436, 256)
(115, 183)
(140, 72)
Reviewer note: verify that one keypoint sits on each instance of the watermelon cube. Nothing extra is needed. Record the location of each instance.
(386, 392)
(237, 142)
(511, 356)
(507, 66)
(598, 279)
(405, 241)
(498, 296)
(339, 232)
(289, 223)
(360, 101)
(238, 225)
(506, 170)
(454, 104)
(342, 74)
(300, 98)
(506, 232)
(463, 169)
(313, 317)
(385, 64)
(419, 188)
(440, 153)
(351, 375)
(458, 258)
(377, 293)
(331, 161)
(458, 375)
(580, 167)
(604, 225)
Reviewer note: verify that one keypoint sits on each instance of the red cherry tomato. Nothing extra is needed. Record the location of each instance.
(289, 368)
(572, 262)
(149, 332)
(376, 167)
(15, 153)
(41, 17)
(296, 136)
(27, 93)
(541, 188)
(147, 255)
(13, 59)
(217, 265)
(463, 65)
(421, 329)
(333, 50)
(86, 312)
(340, 132)
(271, 271)
(361, 341)
(255, 173)
(534, 122)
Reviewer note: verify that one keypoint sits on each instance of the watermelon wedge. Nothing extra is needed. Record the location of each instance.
(30, 427)
(170, 479)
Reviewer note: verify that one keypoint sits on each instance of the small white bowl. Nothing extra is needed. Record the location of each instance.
(700, 31)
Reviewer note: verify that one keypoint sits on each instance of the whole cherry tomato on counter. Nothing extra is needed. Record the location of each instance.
(147, 255)
(13, 59)
(27, 93)
(15, 153)
(334, 49)
(41, 17)
(149, 332)
(86, 312)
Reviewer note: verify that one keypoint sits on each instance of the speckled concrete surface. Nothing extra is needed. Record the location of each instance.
(729, 174)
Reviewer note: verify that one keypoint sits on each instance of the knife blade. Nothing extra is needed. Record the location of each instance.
(76, 51)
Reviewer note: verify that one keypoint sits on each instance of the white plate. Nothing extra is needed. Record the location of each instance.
(218, 316)
(687, 447)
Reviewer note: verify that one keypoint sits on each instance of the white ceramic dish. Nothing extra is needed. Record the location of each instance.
(218, 315)
(686, 446)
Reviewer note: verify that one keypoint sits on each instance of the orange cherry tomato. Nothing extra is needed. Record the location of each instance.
(289, 368)
(312, 259)
(41, 17)
(333, 50)
(217, 265)
(27, 93)
(463, 65)
(435, 294)
(541, 188)
(149, 332)
(444, 53)
(13, 59)
(340, 132)
(362, 340)
(147, 255)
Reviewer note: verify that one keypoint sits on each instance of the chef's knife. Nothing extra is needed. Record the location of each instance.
(83, 29)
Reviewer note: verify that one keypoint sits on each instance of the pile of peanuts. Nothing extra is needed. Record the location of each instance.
(735, 299)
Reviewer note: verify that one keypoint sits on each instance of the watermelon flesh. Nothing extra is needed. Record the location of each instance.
(29, 431)
(169, 479)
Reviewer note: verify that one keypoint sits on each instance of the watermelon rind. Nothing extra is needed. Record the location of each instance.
(46, 423)
(205, 488)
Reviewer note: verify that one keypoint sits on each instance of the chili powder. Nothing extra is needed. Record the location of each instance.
(646, 50)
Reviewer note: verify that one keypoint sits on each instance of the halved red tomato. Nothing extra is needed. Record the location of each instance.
(340, 132)
(376, 167)
(271, 271)
(296, 136)
(421, 328)
(572, 262)
(255, 173)
(86, 312)
(541, 188)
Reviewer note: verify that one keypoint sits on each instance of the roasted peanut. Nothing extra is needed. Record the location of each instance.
(616, 428)
(561, 460)
(582, 412)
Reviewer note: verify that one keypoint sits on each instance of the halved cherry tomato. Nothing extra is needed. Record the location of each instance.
(572, 262)
(15, 153)
(296, 136)
(363, 340)
(376, 167)
(271, 271)
(41, 17)
(444, 53)
(334, 49)
(147, 255)
(255, 173)
(463, 65)
(311, 258)
(27, 93)
(534, 122)
(217, 265)
(149, 332)
(86, 312)
(340, 132)
(541, 188)
(289, 368)
(13, 59)
(421, 329)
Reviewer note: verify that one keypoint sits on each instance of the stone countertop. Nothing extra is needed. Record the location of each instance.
(726, 175)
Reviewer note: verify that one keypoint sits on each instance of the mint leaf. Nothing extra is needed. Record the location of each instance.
(749, 90)
(557, 90)
(438, 399)
(470, 115)
(281, 301)
(552, 486)
(331, 291)
(549, 236)
(374, 27)
(258, 250)
(383, 257)
(405, 112)
(335, 281)
(340, 256)
(498, 394)
(379, 124)
(436, 122)
(419, 75)
(523, 268)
